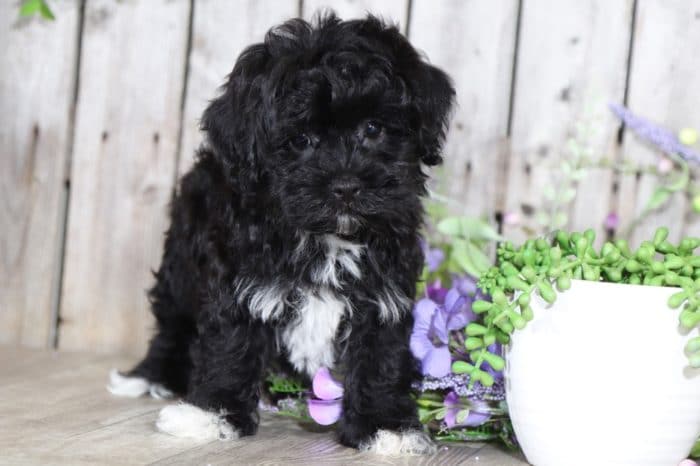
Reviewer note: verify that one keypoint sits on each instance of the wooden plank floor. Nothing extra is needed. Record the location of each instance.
(54, 409)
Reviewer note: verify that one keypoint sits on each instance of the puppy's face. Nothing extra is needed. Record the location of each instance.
(339, 118)
(342, 155)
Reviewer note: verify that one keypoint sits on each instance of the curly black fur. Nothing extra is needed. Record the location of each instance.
(314, 148)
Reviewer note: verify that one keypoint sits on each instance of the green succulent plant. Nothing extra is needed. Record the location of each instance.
(543, 267)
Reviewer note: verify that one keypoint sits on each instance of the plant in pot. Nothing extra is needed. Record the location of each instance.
(603, 372)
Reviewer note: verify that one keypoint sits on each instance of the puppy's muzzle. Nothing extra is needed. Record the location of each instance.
(345, 189)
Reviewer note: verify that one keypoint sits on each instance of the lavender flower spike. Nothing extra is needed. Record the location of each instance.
(654, 134)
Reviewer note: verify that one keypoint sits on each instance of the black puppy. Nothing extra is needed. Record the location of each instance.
(295, 236)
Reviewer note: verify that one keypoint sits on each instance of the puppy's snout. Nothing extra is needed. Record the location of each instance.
(345, 189)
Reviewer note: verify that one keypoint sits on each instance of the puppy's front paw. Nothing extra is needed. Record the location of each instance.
(186, 420)
(408, 442)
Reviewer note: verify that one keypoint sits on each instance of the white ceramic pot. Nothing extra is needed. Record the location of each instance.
(601, 378)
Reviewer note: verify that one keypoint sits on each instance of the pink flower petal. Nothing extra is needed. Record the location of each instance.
(611, 221)
(664, 166)
(511, 218)
(325, 412)
(325, 387)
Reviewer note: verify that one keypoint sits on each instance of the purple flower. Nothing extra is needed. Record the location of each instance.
(454, 406)
(327, 407)
(465, 284)
(433, 256)
(611, 221)
(435, 358)
(434, 318)
(436, 292)
(662, 138)
(458, 310)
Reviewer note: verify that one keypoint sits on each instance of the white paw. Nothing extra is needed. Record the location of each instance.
(159, 392)
(131, 387)
(186, 420)
(410, 442)
(134, 387)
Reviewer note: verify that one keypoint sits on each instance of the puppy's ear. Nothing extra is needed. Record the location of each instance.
(233, 119)
(431, 92)
(433, 98)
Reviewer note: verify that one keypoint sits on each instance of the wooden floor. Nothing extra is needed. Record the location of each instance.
(54, 409)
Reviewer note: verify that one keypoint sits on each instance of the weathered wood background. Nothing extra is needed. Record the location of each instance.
(99, 108)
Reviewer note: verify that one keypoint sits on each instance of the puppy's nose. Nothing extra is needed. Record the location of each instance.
(345, 188)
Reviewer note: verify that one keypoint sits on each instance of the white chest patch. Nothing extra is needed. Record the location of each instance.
(309, 338)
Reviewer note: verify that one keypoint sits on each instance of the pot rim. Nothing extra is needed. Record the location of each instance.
(629, 285)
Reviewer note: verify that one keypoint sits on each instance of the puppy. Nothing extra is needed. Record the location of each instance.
(294, 238)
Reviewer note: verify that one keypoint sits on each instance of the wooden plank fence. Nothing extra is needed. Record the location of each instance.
(36, 98)
(99, 115)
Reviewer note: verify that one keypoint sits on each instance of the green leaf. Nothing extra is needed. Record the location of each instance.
(440, 414)
(435, 210)
(468, 227)
(567, 195)
(560, 220)
(46, 12)
(682, 182)
(695, 452)
(284, 385)
(542, 218)
(548, 193)
(450, 226)
(574, 147)
(29, 7)
(462, 415)
(425, 415)
(32, 7)
(658, 198)
(566, 167)
(579, 174)
(470, 257)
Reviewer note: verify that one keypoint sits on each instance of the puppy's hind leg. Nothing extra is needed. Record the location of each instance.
(165, 370)
(161, 374)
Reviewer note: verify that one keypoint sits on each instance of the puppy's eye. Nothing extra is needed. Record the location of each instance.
(372, 129)
(300, 142)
